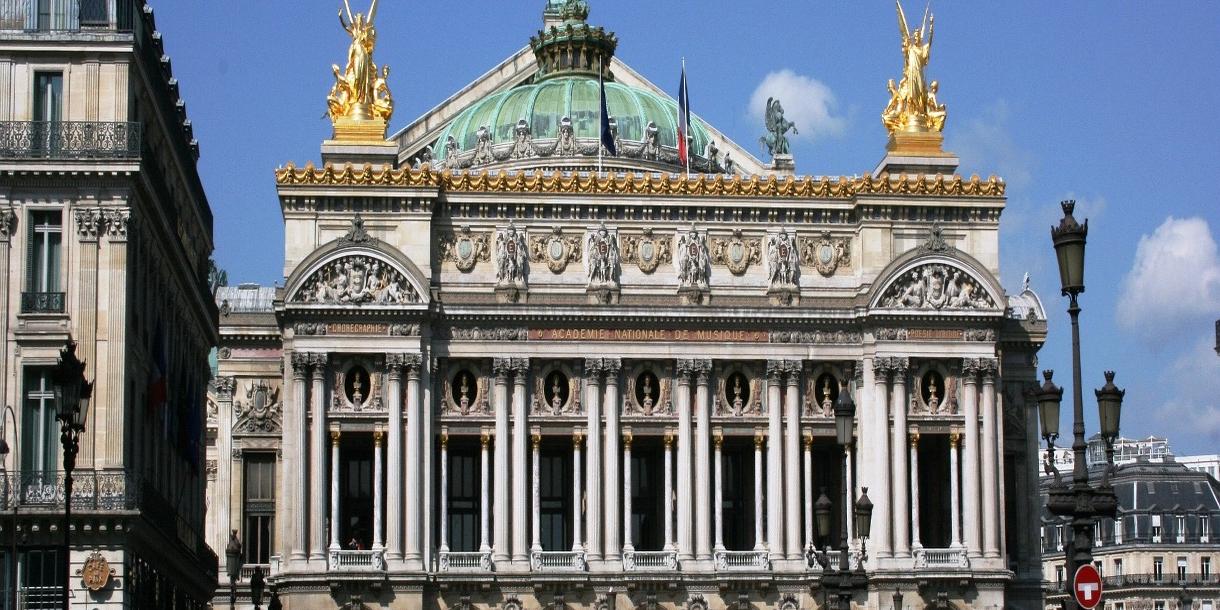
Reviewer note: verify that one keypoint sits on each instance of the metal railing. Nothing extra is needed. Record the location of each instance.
(464, 561)
(68, 16)
(941, 558)
(1166, 579)
(69, 139)
(91, 490)
(42, 302)
(741, 560)
(357, 561)
(558, 560)
(650, 561)
(247, 570)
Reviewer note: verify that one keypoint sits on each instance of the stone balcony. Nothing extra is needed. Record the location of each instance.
(356, 561)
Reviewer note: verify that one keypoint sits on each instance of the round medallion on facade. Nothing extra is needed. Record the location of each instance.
(826, 254)
(96, 572)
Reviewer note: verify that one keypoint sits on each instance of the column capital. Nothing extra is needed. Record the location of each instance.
(857, 372)
(520, 368)
(536, 440)
(578, 439)
(88, 223)
(377, 434)
(988, 368)
(627, 438)
(394, 364)
(718, 437)
(881, 369)
(593, 368)
(412, 364)
(224, 386)
(501, 368)
(484, 439)
(444, 438)
(807, 436)
(899, 366)
(300, 363)
(914, 436)
(970, 370)
(8, 222)
(759, 441)
(955, 439)
(702, 369)
(334, 436)
(669, 439)
(611, 368)
(792, 370)
(318, 361)
(775, 370)
(683, 369)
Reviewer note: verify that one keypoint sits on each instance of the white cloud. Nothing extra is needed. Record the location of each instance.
(1174, 283)
(986, 147)
(1189, 392)
(807, 102)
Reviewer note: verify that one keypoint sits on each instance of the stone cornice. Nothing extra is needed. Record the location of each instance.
(805, 187)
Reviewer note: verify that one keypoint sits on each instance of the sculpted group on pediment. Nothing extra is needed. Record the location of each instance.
(936, 286)
(357, 280)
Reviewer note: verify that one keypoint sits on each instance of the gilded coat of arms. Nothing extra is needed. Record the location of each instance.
(96, 572)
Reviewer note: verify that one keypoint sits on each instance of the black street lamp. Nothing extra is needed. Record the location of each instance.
(233, 566)
(848, 581)
(1078, 500)
(72, 394)
(11, 476)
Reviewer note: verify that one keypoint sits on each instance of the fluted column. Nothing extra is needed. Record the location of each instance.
(686, 550)
(444, 491)
(393, 531)
(520, 460)
(501, 368)
(916, 543)
(955, 498)
(970, 459)
(990, 502)
(718, 495)
(536, 496)
(614, 520)
(299, 456)
(879, 448)
(413, 494)
(849, 489)
(593, 466)
(703, 458)
(627, 542)
(808, 470)
(792, 461)
(485, 498)
(379, 488)
(577, 492)
(317, 460)
(899, 476)
(775, 474)
(334, 489)
(670, 544)
(759, 542)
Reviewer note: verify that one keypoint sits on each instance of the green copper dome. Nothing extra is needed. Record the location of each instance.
(544, 105)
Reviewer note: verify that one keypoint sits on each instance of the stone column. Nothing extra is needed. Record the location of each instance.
(317, 460)
(670, 544)
(334, 489)
(759, 542)
(849, 490)
(703, 458)
(593, 466)
(379, 487)
(775, 474)
(955, 498)
(879, 447)
(718, 495)
(970, 459)
(300, 525)
(577, 493)
(536, 492)
(686, 550)
(916, 543)
(809, 534)
(898, 370)
(792, 462)
(990, 502)
(627, 545)
(520, 457)
(413, 549)
(613, 520)
(501, 368)
(485, 491)
(394, 504)
(444, 491)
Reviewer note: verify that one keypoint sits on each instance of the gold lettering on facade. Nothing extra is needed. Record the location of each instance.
(941, 334)
(648, 334)
(354, 328)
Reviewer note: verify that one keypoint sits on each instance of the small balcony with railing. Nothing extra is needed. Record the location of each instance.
(356, 561)
(69, 140)
(558, 561)
(464, 561)
(742, 561)
(92, 490)
(42, 302)
(47, 18)
(650, 561)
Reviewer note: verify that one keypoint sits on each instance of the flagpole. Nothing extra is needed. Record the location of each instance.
(601, 110)
(686, 118)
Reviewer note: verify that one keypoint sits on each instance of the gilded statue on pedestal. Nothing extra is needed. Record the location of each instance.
(360, 91)
(913, 106)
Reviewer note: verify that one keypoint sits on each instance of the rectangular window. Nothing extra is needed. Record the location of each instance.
(45, 251)
(1118, 567)
(41, 576)
(40, 430)
(1120, 605)
(1118, 530)
(1097, 564)
(465, 491)
(1204, 533)
(1059, 575)
(1181, 568)
(555, 496)
(1158, 605)
(1158, 569)
(1180, 528)
(259, 521)
(647, 494)
(1205, 567)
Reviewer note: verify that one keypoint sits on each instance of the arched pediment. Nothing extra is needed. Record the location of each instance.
(942, 280)
(356, 274)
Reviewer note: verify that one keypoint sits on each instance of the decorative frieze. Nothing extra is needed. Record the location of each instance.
(465, 249)
(822, 337)
(499, 333)
(357, 280)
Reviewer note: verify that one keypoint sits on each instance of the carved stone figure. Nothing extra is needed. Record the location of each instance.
(603, 262)
(736, 253)
(482, 146)
(356, 280)
(776, 139)
(694, 264)
(728, 162)
(556, 250)
(712, 153)
(567, 138)
(465, 249)
(782, 259)
(523, 138)
(652, 145)
(511, 257)
(646, 251)
(936, 286)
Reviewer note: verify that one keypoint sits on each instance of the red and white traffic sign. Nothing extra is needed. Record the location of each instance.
(1086, 586)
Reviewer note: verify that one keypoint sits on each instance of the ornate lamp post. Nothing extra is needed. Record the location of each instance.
(1077, 499)
(233, 566)
(72, 393)
(849, 581)
(10, 477)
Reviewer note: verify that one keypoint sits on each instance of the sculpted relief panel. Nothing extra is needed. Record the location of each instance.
(936, 286)
(259, 412)
(357, 280)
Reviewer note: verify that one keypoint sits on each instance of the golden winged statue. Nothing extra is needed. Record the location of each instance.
(360, 91)
(913, 106)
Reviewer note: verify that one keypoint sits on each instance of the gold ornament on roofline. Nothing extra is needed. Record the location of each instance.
(913, 107)
(360, 103)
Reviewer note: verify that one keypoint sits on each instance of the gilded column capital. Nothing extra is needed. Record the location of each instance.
(807, 437)
(484, 439)
(334, 436)
(759, 441)
(913, 435)
(669, 439)
(627, 438)
(377, 434)
(955, 439)
(536, 440)
(115, 221)
(444, 439)
(300, 362)
(718, 439)
(501, 368)
(578, 439)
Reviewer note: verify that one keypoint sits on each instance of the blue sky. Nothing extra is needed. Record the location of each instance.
(1113, 104)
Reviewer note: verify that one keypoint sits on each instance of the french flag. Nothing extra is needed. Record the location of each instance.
(683, 120)
(158, 386)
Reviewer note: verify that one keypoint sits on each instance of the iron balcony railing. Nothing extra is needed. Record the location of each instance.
(69, 139)
(91, 490)
(42, 302)
(67, 15)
